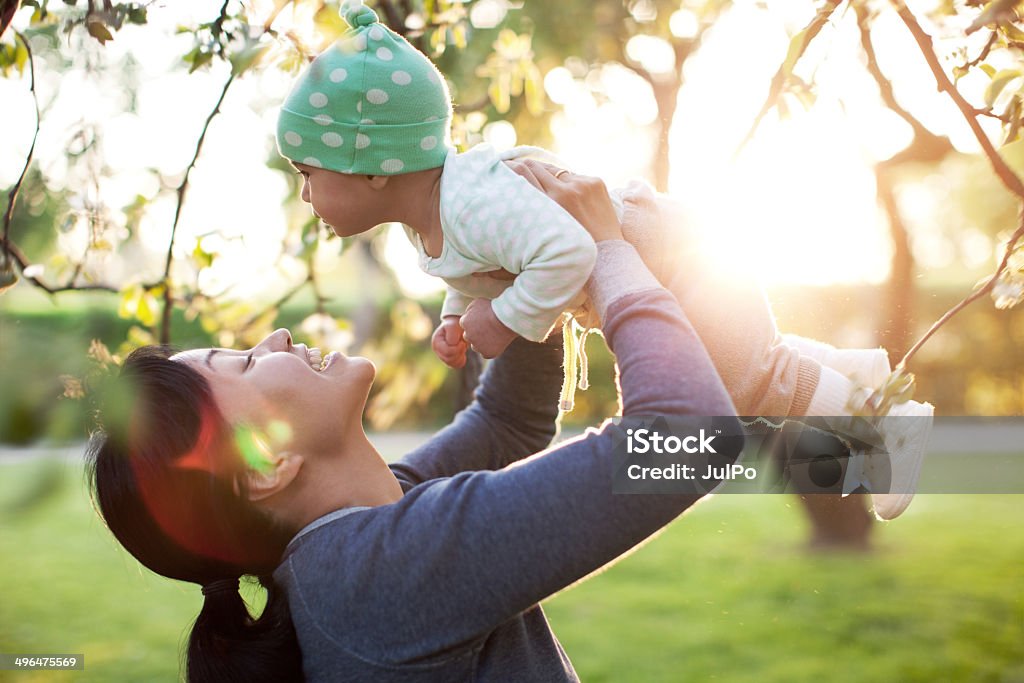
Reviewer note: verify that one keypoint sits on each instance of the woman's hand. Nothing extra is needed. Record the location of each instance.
(584, 197)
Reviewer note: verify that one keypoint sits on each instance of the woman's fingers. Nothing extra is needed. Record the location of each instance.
(584, 197)
(522, 168)
(545, 176)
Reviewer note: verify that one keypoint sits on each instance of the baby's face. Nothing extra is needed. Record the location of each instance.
(350, 204)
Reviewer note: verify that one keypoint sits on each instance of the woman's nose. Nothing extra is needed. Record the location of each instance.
(278, 340)
(305, 191)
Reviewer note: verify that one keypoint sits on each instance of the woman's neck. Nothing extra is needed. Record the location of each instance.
(356, 477)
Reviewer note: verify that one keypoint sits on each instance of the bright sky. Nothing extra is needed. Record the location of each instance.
(797, 206)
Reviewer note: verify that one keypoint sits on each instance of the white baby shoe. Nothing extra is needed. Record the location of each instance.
(893, 475)
(866, 367)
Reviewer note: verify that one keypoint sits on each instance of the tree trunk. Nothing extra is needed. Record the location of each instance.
(898, 309)
(838, 523)
(666, 94)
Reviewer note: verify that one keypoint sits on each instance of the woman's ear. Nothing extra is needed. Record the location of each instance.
(275, 478)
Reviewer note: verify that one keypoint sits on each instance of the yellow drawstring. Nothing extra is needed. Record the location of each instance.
(584, 364)
(572, 348)
(568, 364)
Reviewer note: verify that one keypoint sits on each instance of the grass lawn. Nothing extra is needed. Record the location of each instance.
(727, 593)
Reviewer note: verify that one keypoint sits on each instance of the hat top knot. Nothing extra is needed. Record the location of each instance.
(357, 14)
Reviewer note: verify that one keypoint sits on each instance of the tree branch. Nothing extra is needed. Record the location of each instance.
(12, 196)
(285, 298)
(10, 249)
(977, 294)
(19, 257)
(786, 68)
(279, 6)
(924, 42)
(165, 324)
(981, 55)
(925, 145)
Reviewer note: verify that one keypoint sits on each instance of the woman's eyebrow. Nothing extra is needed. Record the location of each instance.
(209, 357)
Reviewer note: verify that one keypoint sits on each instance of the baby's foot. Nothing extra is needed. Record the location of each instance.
(866, 367)
(905, 431)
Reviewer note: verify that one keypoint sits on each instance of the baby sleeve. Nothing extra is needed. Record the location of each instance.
(528, 234)
(455, 302)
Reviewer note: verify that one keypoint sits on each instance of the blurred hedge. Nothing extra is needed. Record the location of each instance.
(975, 365)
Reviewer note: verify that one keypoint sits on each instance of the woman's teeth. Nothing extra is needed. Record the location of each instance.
(314, 358)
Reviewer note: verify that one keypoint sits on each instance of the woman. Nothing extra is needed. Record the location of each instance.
(233, 463)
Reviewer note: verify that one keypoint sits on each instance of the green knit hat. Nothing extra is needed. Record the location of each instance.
(370, 104)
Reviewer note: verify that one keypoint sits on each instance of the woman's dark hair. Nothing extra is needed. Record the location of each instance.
(167, 479)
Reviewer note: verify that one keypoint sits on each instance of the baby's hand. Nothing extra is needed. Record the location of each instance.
(483, 331)
(448, 343)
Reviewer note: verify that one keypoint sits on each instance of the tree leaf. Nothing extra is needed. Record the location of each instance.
(137, 15)
(998, 83)
(534, 91)
(1013, 155)
(1013, 112)
(203, 258)
(500, 92)
(147, 309)
(459, 36)
(129, 301)
(199, 60)
(796, 49)
(247, 57)
(98, 30)
(994, 12)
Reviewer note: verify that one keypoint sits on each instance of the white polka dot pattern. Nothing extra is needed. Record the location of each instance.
(332, 139)
(369, 105)
(490, 218)
(376, 96)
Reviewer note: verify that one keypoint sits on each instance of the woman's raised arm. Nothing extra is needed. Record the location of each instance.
(455, 558)
(512, 416)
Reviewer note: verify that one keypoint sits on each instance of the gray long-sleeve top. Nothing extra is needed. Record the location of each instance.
(444, 584)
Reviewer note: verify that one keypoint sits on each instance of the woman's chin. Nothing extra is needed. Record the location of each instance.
(364, 366)
(352, 367)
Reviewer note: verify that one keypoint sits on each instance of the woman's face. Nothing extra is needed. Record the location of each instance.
(278, 387)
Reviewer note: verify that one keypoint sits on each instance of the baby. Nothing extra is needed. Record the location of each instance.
(367, 125)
